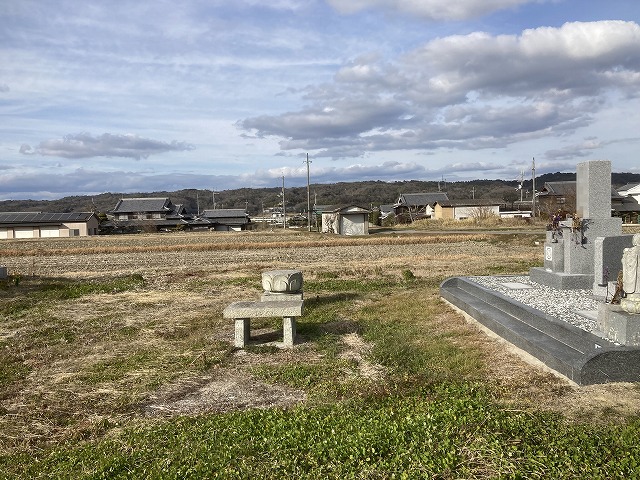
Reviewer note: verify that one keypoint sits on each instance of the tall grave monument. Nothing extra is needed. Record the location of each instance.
(574, 251)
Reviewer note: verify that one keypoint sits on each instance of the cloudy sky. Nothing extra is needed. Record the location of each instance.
(137, 96)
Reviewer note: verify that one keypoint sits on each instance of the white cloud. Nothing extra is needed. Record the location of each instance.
(84, 145)
(467, 92)
(430, 9)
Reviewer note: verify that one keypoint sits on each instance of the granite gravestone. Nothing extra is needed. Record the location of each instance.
(569, 258)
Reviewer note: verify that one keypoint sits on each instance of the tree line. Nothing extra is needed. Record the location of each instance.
(367, 194)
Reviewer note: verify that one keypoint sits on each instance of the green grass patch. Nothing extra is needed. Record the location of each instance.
(447, 431)
(12, 369)
(352, 285)
(406, 339)
(118, 368)
(302, 375)
(48, 290)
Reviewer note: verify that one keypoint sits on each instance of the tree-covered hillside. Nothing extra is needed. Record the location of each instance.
(366, 194)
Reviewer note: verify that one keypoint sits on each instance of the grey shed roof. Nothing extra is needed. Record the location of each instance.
(136, 205)
(43, 218)
(339, 208)
(421, 198)
(471, 202)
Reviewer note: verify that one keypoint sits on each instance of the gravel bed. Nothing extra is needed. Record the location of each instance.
(561, 304)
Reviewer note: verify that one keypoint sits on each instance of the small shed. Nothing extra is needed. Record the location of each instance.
(345, 220)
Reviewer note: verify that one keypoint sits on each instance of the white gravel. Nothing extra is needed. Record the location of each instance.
(561, 304)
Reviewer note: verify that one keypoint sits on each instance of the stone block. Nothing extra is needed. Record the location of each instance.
(3, 273)
(554, 256)
(619, 326)
(579, 247)
(607, 259)
(242, 333)
(288, 331)
(560, 280)
(593, 189)
(282, 281)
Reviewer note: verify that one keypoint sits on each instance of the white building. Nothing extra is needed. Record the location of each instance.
(345, 220)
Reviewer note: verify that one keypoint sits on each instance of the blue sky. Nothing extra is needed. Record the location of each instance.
(139, 96)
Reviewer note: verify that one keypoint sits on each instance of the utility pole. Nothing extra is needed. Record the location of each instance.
(308, 196)
(198, 202)
(284, 208)
(213, 193)
(520, 186)
(533, 187)
(473, 192)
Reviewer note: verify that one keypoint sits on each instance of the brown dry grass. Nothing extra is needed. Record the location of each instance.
(98, 362)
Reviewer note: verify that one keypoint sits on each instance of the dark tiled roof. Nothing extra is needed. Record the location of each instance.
(559, 188)
(43, 218)
(628, 204)
(628, 186)
(224, 213)
(422, 198)
(136, 205)
(566, 188)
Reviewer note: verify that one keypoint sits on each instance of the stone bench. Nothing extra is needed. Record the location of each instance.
(243, 312)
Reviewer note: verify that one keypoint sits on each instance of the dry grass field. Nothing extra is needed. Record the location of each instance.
(100, 333)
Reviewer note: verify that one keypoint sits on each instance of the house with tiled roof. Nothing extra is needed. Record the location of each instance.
(414, 206)
(47, 225)
(224, 219)
(554, 196)
(154, 213)
(628, 207)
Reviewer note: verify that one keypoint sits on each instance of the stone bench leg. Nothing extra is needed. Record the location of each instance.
(242, 334)
(288, 331)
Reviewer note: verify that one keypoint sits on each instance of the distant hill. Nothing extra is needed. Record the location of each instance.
(366, 194)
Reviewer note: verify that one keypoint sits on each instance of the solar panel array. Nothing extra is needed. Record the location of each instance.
(39, 217)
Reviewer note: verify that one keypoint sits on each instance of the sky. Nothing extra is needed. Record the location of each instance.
(128, 96)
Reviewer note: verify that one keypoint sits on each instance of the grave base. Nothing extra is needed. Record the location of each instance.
(618, 326)
(561, 281)
(581, 356)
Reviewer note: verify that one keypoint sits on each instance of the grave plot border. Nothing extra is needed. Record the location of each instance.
(577, 354)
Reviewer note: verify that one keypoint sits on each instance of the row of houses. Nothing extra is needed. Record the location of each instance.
(415, 206)
(553, 196)
(156, 214)
(129, 215)
(162, 214)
